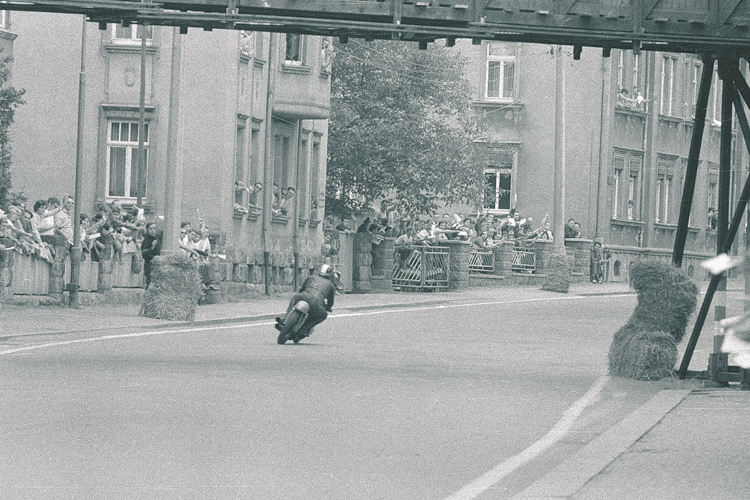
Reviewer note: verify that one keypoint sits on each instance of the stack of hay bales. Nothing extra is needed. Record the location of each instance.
(174, 290)
(646, 347)
(557, 273)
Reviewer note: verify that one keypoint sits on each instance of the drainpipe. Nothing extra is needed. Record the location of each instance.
(268, 165)
(295, 219)
(75, 254)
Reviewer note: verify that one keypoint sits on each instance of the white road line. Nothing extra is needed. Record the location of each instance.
(154, 333)
(561, 428)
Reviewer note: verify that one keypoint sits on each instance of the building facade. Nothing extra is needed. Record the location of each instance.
(211, 90)
(628, 127)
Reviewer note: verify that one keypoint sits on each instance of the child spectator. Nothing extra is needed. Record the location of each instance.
(595, 262)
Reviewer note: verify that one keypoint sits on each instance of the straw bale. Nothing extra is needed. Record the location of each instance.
(646, 347)
(174, 289)
(557, 274)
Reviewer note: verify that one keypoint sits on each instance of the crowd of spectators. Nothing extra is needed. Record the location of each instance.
(282, 198)
(484, 230)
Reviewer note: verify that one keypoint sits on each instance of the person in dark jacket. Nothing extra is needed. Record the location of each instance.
(318, 291)
(150, 248)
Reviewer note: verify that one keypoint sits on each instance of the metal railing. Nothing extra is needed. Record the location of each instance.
(426, 268)
(482, 261)
(523, 261)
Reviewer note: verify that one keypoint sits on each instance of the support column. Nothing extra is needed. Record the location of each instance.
(558, 216)
(718, 361)
(173, 188)
(693, 157)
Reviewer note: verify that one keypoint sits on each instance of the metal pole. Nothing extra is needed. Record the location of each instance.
(559, 196)
(295, 218)
(268, 165)
(693, 157)
(75, 254)
(726, 244)
(141, 173)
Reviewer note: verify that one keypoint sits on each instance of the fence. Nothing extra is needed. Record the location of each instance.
(523, 261)
(482, 261)
(426, 268)
(31, 275)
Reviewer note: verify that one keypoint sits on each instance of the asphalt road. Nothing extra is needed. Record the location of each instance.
(409, 403)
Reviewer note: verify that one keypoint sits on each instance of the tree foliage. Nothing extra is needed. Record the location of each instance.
(10, 99)
(401, 126)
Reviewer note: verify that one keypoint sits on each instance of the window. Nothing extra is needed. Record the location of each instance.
(501, 71)
(497, 187)
(695, 87)
(255, 159)
(240, 175)
(304, 175)
(294, 49)
(131, 33)
(667, 85)
(314, 181)
(716, 108)
(663, 186)
(122, 159)
(636, 69)
(620, 68)
(626, 185)
(713, 191)
(616, 190)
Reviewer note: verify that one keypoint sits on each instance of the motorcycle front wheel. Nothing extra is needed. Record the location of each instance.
(290, 323)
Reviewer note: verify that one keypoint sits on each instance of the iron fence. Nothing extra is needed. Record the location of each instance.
(523, 261)
(425, 268)
(482, 261)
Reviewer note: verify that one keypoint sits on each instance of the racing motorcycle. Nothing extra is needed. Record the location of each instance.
(293, 322)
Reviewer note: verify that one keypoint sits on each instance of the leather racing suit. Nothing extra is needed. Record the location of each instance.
(319, 292)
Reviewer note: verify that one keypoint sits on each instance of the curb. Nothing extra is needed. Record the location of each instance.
(588, 462)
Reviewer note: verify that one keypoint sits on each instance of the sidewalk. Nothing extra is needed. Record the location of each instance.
(686, 443)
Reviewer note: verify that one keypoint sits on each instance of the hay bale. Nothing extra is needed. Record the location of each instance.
(642, 354)
(557, 274)
(646, 347)
(666, 297)
(174, 289)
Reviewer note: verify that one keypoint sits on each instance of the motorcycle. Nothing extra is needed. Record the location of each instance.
(293, 322)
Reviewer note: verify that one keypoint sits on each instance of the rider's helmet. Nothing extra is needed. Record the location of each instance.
(326, 270)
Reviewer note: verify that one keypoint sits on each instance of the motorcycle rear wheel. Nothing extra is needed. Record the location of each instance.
(290, 326)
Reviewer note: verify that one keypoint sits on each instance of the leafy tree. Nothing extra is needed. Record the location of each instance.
(401, 126)
(10, 99)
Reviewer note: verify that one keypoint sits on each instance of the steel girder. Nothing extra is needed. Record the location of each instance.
(667, 25)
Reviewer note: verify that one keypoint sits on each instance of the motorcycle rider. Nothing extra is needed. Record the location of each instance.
(318, 291)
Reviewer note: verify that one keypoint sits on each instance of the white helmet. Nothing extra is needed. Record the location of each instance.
(326, 270)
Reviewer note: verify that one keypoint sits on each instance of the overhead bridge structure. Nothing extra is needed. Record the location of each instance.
(667, 25)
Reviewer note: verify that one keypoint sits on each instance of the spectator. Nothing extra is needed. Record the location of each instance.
(525, 228)
(64, 220)
(544, 232)
(577, 230)
(347, 224)
(712, 219)
(150, 248)
(276, 196)
(286, 205)
(595, 262)
(404, 246)
(253, 195)
(569, 231)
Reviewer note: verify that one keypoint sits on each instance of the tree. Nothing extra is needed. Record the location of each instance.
(10, 99)
(401, 126)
